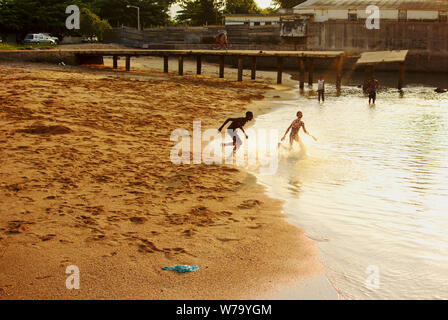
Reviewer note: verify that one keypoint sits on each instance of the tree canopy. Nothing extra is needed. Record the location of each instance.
(288, 3)
(241, 7)
(152, 13)
(92, 25)
(200, 12)
(24, 16)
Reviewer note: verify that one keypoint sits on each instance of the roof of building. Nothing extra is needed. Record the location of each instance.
(253, 15)
(433, 5)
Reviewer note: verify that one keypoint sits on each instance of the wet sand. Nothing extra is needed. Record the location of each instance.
(86, 180)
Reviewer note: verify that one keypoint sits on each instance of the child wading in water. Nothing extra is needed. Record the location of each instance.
(295, 127)
(236, 123)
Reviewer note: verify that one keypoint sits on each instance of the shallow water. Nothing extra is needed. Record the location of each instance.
(373, 191)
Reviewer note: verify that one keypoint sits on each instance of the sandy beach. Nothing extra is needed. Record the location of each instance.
(86, 180)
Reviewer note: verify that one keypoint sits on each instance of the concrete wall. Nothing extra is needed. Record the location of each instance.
(71, 40)
(392, 35)
(202, 37)
(45, 56)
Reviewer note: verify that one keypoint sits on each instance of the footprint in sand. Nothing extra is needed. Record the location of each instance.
(227, 239)
(147, 246)
(46, 130)
(257, 226)
(138, 220)
(249, 204)
(47, 237)
(189, 232)
(16, 226)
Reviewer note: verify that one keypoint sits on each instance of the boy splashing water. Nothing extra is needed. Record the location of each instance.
(237, 123)
(295, 127)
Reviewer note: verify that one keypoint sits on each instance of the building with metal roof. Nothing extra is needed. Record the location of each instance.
(407, 10)
(432, 5)
(252, 19)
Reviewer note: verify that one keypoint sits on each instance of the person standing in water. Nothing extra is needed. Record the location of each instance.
(236, 123)
(321, 89)
(372, 86)
(295, 127)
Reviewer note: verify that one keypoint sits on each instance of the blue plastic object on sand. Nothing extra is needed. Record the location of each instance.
(182, 268)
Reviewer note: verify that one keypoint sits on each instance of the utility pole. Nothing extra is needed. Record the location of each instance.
(138, 15)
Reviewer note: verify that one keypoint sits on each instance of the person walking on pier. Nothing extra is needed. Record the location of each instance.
(321, 89)
(372, 87)
(222, 41)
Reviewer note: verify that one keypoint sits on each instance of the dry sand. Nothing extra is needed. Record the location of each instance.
(86, 180)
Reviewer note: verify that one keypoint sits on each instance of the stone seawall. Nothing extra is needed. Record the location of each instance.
(45, 56)
(48, 56)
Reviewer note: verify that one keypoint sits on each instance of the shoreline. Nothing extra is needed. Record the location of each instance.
(261, 207)
(313, 287)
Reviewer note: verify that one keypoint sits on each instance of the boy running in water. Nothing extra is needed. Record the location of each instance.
(295, 127)
(237, 123)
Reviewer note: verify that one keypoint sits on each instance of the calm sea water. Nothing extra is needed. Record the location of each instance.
(373, 191)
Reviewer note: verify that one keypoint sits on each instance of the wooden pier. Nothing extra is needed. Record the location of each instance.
(304, 58)
(370, 59)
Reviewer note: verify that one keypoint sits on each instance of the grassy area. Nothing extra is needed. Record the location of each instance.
(10, 46)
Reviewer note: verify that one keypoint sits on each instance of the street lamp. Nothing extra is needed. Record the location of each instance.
(138, 15)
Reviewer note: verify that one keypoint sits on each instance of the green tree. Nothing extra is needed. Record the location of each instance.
(92, 25)
(200, 12)
(25, 16)
(152, 13)
(9, 17)
(288, 3)
(241, 7)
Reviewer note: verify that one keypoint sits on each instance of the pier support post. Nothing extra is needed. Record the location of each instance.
(254, 68)
(115, 60)
(128, 63)
(165, 64)
(302, 73)
(279, 69)
(240, 69)
(181, 65)
(221, 66)
(339, 65)
(198, 64)
(401, 76)
(310, 71)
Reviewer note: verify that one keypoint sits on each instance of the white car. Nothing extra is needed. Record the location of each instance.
(56, 39)
(37, 38)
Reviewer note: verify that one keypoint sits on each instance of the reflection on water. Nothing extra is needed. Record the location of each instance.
(374, 187)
